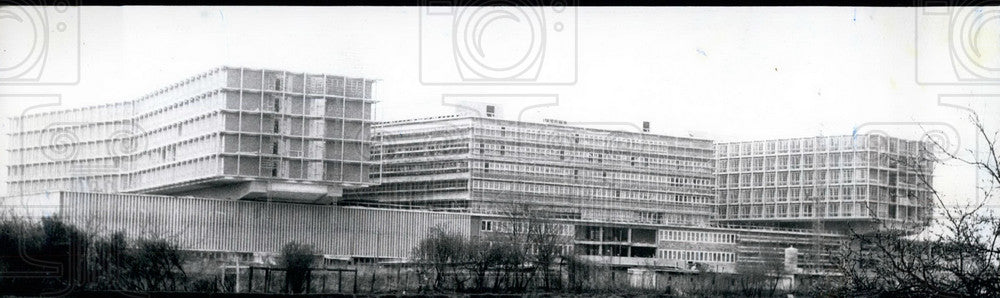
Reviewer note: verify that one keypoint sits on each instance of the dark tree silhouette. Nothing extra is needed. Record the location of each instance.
(298, 259)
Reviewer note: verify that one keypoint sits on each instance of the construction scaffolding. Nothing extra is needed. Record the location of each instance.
(839, 179)
(485, 165)
(225, 125)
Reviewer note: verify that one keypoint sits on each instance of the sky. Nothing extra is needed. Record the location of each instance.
(727, 74)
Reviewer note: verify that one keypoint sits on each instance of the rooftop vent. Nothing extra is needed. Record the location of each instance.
(554, 121)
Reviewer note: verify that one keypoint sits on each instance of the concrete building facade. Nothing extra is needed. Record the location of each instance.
(195, 159)
(232, 133)
(243, 227)
(840, 181)
(484, 165)
(254, 230)
(632, 199)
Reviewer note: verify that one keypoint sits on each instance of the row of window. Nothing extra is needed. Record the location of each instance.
(395, 151)
(105, 113)
(66, 169)
(831, 193)
(592, 191)
(103, 183)
(293, 82)
(165, 175)
(432, 167)
(567, 173)
(179, 110)
(879, 142)
(298, 105)
(610, 139)
(298, 126)
(503, 226)
(692, 236)
(64, 133)
(410, 188)
(795, 162)
(603, 156)
(845, 209)
(795, 178)
(676, 216)
(171, 95)
(697, 256)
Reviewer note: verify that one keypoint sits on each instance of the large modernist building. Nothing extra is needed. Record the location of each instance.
(485, 164)
(628, 198)
(232, 133)
(841, 182)
(217, 161)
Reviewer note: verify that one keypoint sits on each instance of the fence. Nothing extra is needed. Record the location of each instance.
(412, 278)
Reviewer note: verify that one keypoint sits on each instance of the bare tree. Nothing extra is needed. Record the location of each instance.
(440, 254)
(298, 259)
(961, 260)
(539, 240)
(758, 279)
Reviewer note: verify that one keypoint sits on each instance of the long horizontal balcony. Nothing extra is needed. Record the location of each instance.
(597, 183)
(306, 116)
(304, 92)
(698, 172)
(706, 154)
(597, 203)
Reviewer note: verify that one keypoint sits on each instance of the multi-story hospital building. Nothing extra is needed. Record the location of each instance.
(241, 161)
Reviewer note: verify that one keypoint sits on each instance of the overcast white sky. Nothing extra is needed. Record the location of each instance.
(722, 73)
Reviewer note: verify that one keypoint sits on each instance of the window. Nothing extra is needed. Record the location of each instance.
(490, 111)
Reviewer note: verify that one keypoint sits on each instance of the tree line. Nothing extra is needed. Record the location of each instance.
(52, 257)
(960, 258)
